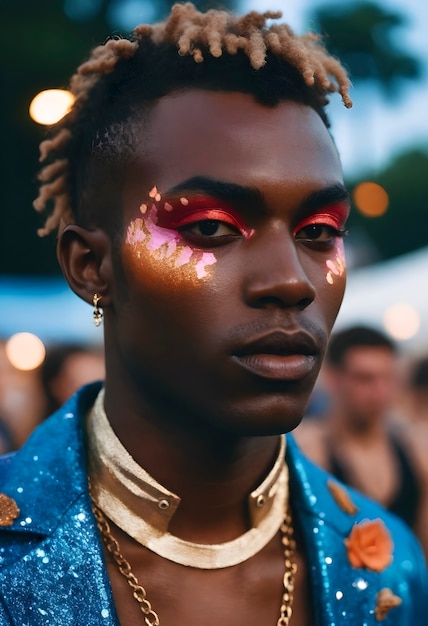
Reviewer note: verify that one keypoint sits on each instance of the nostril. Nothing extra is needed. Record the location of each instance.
(269, 301)
(280, 303)
(304, 303)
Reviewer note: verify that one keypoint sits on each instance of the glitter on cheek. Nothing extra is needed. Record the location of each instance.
(144, 237)
(160, 237)
(337, 266)
(135, 232)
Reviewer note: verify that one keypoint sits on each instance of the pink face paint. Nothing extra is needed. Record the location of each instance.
(336, 266)
(165, 245)
(207, 259)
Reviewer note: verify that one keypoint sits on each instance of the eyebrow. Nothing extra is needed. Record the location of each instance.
(228, 192)
(328, 195)
(252, 198)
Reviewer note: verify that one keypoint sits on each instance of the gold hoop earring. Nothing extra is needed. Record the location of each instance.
(98, 314)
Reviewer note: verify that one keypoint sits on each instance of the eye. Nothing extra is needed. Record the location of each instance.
(319, 233)
(206, 226)
(203, 230)
(322, 228)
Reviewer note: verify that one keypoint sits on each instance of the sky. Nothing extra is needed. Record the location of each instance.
(373, 131)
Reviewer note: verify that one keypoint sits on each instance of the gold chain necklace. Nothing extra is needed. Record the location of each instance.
(151, 618)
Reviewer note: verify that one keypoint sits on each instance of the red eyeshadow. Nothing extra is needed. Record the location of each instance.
(334, 215)
(174, 214)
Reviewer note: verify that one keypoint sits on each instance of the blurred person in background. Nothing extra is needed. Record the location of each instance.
(358, 438)
(21, 402)
(201, 210)
(416, 393)
(6, 436)
(66, 368)
(413, 422)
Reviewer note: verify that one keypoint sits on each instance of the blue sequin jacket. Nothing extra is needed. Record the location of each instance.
(52, 570)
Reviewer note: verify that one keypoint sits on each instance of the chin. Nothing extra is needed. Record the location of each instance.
(266, 418)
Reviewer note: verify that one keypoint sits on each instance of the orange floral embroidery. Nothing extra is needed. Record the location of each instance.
(385, 601)
(8, 510)
(342, 497)
(370, 545)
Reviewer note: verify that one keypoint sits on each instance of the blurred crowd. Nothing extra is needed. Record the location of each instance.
(367, 422)
(27, 397)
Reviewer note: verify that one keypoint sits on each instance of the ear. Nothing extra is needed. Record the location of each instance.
(85, 259)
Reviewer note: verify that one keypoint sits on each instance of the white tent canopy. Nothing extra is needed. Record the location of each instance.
(398, 286)
(46, 307)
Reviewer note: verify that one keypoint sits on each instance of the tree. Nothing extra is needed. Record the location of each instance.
(404, 227)
(363, 36)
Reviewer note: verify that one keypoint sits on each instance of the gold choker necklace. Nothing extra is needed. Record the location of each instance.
(151, 618)
(126, 494)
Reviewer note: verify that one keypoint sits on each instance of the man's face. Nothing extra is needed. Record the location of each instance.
(233, 265)
(366, 385)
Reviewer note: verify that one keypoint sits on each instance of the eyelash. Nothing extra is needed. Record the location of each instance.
(187, 222)
(326, 221)
(209, 215)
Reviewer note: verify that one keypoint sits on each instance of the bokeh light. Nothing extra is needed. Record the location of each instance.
(25, 351)
(402, 321)
(370, 199)
(49, 106)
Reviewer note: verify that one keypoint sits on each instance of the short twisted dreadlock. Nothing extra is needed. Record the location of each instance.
(215, 50)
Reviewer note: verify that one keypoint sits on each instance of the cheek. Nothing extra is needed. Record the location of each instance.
(335, 267)
(163, 258)
(331, 282)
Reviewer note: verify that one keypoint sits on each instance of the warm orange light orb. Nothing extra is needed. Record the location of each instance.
(371, 199)
(25, 351)
(49, 106)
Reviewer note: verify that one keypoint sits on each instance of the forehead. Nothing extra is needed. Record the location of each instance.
(232, 138)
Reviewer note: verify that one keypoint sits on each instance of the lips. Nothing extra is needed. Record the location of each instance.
(279, 356)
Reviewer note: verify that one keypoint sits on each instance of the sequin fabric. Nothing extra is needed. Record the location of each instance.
(52, 570)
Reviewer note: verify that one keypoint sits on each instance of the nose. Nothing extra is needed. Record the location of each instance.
(275, 276)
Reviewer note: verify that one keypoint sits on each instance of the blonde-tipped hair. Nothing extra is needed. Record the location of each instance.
(214, 36)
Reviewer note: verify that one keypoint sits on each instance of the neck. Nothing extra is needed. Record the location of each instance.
(212, 472)
(352, 427)
(147, 510)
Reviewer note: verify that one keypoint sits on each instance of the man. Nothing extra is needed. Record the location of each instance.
(357, 439)
(201, 209)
